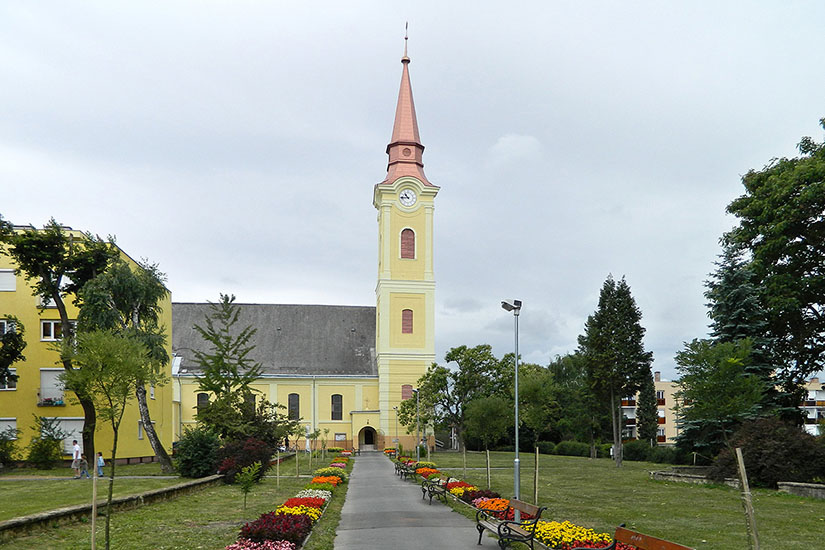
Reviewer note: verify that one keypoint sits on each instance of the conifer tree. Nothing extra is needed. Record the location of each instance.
(647, 411)
(613, 349)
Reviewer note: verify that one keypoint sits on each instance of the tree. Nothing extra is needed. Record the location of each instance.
(58, 264)
(227, 371)
(782, 226)
(613, 351)
(444, 393)
(12, 344)
(716, 393)
(110, 366)
(487, 418)
(128, 301)
(647, 411)
(736, 311)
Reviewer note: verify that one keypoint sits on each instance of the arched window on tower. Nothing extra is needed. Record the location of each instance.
(294, 406)
(337, 407)
(406, 321)
(408, 244)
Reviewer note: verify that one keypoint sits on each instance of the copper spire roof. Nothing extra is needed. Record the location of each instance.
(405, 149)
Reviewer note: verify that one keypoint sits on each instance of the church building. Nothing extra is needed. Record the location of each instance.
(344, 370)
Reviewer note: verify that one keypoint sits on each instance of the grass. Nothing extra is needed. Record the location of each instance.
(145, 469)
(208, 519)
(596, 494)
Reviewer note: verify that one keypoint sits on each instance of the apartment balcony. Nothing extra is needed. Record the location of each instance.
(50, 397)
(660, 402)
(628, 402)
(660, 420)
(630, 421)
(661, 438)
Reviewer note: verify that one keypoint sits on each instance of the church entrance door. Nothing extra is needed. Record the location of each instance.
(366, 439)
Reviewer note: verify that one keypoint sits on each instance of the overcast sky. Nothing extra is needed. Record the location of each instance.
(236, 144)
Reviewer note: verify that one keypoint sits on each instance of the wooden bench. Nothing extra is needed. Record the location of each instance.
(641, 541)
(509, 531)
(435, 487)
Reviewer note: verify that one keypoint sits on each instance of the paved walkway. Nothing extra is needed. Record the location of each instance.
(382, 511)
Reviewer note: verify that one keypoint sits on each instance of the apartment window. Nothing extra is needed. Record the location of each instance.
(51, 388)
(660, 431)
(74, 428)
(11, 381)
(9, 425)
(4, 325)
(151, 391)
(660, 394)
(140, 429)
(294, 406)
(8, 282)
(337, 407)
(51, 331)
(408, 244)
(406, 321)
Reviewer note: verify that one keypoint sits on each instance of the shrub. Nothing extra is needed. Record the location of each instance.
(289, 527)
(546, 447)
(665, 455)
(334, 449)
(637, 450)
(573, 448)
(44, 453)
(8, 446)
(196, 452)
(234, 456)
(773, 451)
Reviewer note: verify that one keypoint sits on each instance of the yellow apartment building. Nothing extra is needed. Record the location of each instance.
(38, 391)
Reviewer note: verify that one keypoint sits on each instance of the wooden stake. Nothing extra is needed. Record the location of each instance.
(750, 517)
(536, 479)
(94, 503)
(278, 468)
(489, 483)
(464, 466)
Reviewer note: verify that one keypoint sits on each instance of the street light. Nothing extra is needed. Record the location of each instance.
(515, 307)
(417, 434)
(396, 430)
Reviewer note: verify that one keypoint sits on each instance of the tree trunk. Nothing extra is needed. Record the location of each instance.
(464, 462)
(111, 487)
(617, 430)
(161, 454)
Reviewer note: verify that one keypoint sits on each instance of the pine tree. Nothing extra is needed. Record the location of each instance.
(613, 349)
(647, 411)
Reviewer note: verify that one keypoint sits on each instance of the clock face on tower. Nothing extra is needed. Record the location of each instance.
(407, 197)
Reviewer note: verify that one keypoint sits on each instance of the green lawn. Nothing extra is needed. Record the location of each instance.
(208, 519)
(596, 494)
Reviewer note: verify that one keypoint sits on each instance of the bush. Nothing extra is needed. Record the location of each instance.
(331, 472)
(665, 455)
(773, 451)
(8, 446)
(237, 455)
(546, 447)
(272, 526)
(196, 452)
(603, 450)
(637, 450)
(573, 448)
(334, 449)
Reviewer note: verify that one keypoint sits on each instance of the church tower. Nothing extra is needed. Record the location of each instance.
(405, 293)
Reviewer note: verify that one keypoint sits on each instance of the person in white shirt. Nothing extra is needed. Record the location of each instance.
(76, 459)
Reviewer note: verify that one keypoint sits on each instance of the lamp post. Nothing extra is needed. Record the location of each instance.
(396, 430)
(515, 307)
(417, 429)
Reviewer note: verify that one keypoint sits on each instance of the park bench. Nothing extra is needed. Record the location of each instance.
(509, 531)
(407, 470)
(435, 487)
(641, 541)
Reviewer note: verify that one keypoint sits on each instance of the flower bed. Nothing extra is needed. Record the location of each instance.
(288, 526)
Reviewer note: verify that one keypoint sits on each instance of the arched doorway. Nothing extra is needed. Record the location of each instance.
(366, 438)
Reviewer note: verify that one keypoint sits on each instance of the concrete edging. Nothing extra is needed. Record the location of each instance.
(812, 490)
(25, 524)
(691, 478)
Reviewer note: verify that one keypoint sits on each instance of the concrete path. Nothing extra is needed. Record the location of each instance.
(382, 511)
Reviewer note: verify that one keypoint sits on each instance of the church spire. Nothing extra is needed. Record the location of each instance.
(405, 149)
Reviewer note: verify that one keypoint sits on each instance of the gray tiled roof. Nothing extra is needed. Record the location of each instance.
(291, 339)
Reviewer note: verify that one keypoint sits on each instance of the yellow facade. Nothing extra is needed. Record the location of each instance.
(38, 394)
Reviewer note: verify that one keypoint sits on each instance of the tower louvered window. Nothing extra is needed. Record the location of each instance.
(406, 321)
(408, 244)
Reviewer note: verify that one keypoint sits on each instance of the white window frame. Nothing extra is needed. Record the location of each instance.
(660, 432)
(151, 391)
(74, 434)
(660, 394)
(141, 431)
(52, 323)
(13, 278)
(6, 386)
(9, 422)
(4, 324)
